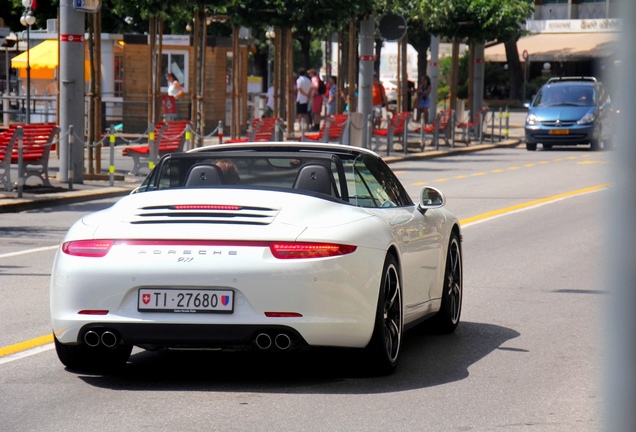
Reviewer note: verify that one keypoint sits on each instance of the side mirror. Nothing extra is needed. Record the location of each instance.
(430, 198)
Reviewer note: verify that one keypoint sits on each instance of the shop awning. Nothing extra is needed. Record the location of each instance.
(559, 47)
(41, 56)
(44, 60)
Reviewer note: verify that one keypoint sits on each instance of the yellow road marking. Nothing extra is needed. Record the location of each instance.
(528, 204)
(28, 344)
(592, 162)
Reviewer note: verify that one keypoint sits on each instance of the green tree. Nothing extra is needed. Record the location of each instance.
(309, 19)
(480, 21)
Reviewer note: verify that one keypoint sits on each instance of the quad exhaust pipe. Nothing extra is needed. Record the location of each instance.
(95, 338)
(281, 341)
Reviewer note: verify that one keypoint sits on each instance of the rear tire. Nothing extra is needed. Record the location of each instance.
(447, 319)
(531, 146)
(84, 358)
(386, 341)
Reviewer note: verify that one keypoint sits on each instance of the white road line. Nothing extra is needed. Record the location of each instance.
(28, 251)
(27, 353)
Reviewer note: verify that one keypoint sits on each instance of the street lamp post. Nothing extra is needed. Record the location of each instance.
(27, 20)
(270, 35)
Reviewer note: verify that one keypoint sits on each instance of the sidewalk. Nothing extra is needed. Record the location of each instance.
(100, 186)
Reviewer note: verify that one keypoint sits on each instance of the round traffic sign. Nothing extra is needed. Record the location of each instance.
(392, 27)
(525, 54)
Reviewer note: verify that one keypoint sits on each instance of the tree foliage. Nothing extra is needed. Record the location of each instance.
(475, 20)
(300, 14)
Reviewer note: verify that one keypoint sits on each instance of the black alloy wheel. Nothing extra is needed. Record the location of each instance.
(447, 319)
(386, 342)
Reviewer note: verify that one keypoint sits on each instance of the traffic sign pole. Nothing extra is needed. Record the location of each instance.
(71, 92)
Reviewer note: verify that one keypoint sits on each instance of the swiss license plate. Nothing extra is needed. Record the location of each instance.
(185, 300)
(559, 131)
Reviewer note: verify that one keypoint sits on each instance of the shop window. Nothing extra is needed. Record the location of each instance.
(177, 63)
(119, 75)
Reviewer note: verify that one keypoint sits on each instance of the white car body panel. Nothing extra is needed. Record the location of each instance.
(329, 301)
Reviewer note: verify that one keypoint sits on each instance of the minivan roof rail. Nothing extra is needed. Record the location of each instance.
(572, 78)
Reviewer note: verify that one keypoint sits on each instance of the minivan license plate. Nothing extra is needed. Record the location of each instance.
(559, 132)
(185, 300)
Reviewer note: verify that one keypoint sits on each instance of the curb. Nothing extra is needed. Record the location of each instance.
(44, 200)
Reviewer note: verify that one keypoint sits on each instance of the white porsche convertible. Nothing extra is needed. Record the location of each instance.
(269, 246)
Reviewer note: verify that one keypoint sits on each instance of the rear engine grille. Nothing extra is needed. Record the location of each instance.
(176, 214)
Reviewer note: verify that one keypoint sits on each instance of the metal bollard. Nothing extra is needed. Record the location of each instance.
(188, 137)
(500, 123)
(507, 129)
(20, 132)
(111, 165)
(492, 128)
(347, 129)
(71, 169)
(453, 121)
(405, 136)
(220, 127)
(438, 119)
(422, 132)
(151, 144)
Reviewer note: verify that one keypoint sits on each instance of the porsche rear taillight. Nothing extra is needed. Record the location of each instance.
(87, 248)
(280, 250)
(286, 250)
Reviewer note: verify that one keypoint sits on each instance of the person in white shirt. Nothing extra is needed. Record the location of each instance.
(174, 88)
(303, 86)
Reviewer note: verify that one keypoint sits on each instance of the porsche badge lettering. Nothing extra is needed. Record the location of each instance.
(186, 252)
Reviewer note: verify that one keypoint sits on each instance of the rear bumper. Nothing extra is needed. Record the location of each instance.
(223, 337)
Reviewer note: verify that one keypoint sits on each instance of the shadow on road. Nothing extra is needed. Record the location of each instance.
(427, 360)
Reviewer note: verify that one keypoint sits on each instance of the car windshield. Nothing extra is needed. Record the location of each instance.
(360, 180)
(566, 95)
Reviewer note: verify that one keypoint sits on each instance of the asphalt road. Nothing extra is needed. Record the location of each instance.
(527, 356)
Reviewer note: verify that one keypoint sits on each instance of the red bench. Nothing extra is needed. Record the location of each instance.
(441, 126)
(398, 122)
(169, 138)
(332, 129)
(474, 126)
(263, 129)
(37, 141)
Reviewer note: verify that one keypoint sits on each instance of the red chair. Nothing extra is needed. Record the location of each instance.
(263, 130)
(474, 126)
(396, 128)
(442, 125)
(332, 129)
(170, 137)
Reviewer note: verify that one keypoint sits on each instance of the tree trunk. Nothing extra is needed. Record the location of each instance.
(514, 68)
(454, 78)
(378, 56)
(304, 37)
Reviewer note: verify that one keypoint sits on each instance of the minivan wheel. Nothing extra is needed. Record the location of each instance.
(531, 146)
